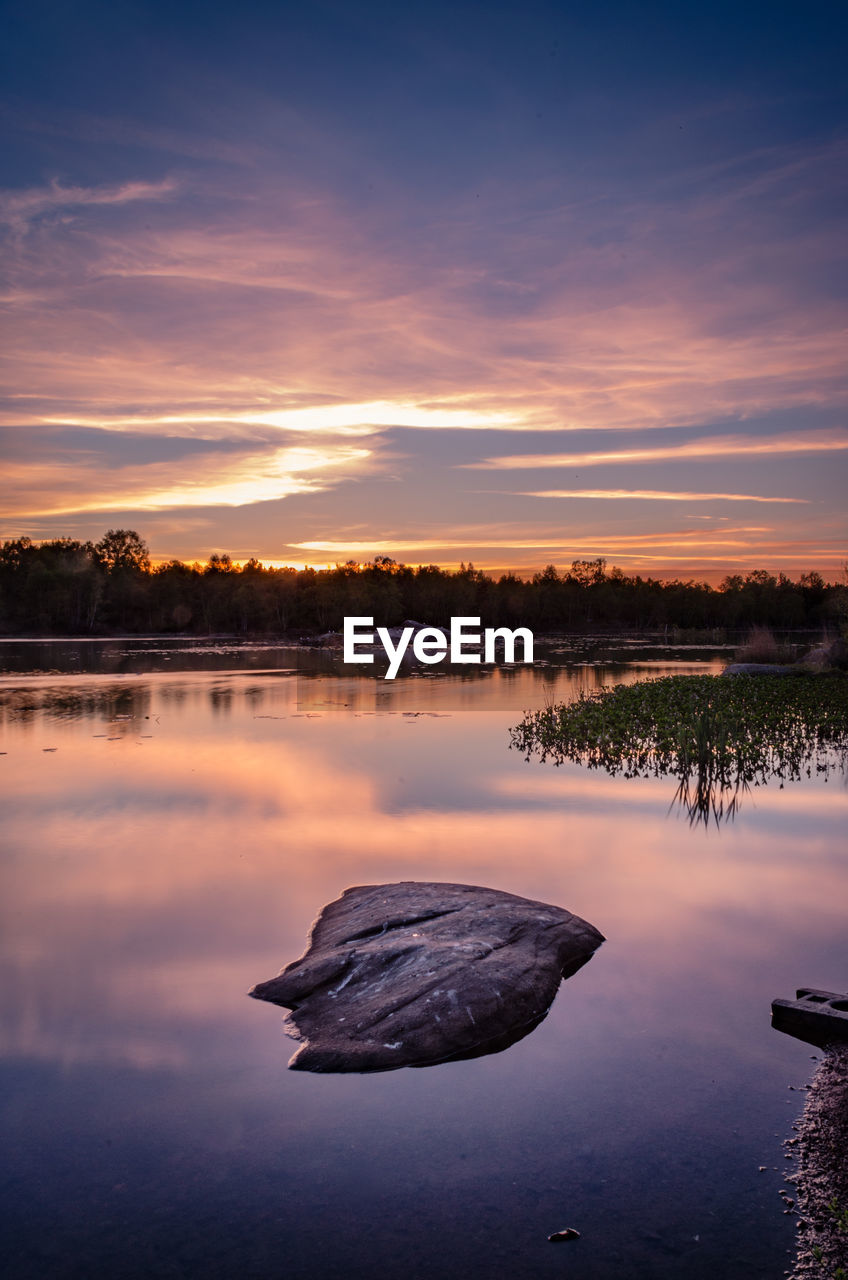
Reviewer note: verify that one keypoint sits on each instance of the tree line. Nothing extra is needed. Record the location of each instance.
(67, 587)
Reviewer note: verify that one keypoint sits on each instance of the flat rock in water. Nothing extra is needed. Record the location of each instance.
(761, 669)
(411, 974)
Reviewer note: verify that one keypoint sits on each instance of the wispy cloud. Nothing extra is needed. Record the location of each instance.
(269, 313)
(727, 447)
(545, 316)
(668, 539)
(652, 495)
(345, 419)
(215, 480)
(749, 546)
(17, 206)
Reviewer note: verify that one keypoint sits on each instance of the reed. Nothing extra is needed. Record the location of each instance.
(719, 735)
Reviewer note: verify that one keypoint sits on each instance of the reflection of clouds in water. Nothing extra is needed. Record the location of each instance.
(162, 876)
(149, 882)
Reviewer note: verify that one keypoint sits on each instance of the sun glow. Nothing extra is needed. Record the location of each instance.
(340, 419)
(217, 480)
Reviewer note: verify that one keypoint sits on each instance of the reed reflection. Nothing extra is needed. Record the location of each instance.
(720, 736)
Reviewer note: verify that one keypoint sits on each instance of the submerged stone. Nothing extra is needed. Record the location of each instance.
(412, 974)
(761, 669)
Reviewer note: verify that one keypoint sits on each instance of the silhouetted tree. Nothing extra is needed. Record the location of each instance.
(68, 586)
(122, 550)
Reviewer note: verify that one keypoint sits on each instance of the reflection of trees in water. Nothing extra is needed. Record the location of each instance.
(120, 703)
(117, 705)
(221, 699)
(720, 736)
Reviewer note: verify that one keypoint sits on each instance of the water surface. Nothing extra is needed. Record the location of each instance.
(175, 817)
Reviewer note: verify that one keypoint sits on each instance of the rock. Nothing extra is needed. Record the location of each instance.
(412, 974)
(832, 654)
(838, 653)
(821, 1180)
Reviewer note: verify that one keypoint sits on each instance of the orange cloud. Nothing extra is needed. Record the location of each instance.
(659, 540)
(214, 479)
(731, 547)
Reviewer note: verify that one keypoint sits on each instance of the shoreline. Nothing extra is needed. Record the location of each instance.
(820, 1178)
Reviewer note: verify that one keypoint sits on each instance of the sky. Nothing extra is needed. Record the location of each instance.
(513, 284)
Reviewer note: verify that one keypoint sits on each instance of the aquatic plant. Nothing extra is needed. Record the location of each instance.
(719, 735)
(761, 646)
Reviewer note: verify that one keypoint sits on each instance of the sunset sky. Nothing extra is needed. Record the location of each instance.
(510, 283)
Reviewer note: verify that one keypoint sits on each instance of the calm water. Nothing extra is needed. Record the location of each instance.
(175, 817)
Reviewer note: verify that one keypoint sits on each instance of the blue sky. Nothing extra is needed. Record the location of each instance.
(501, 283)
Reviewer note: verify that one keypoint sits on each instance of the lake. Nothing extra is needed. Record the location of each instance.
(175, 815)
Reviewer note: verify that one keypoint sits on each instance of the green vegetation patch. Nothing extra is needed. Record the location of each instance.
(718, 734)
